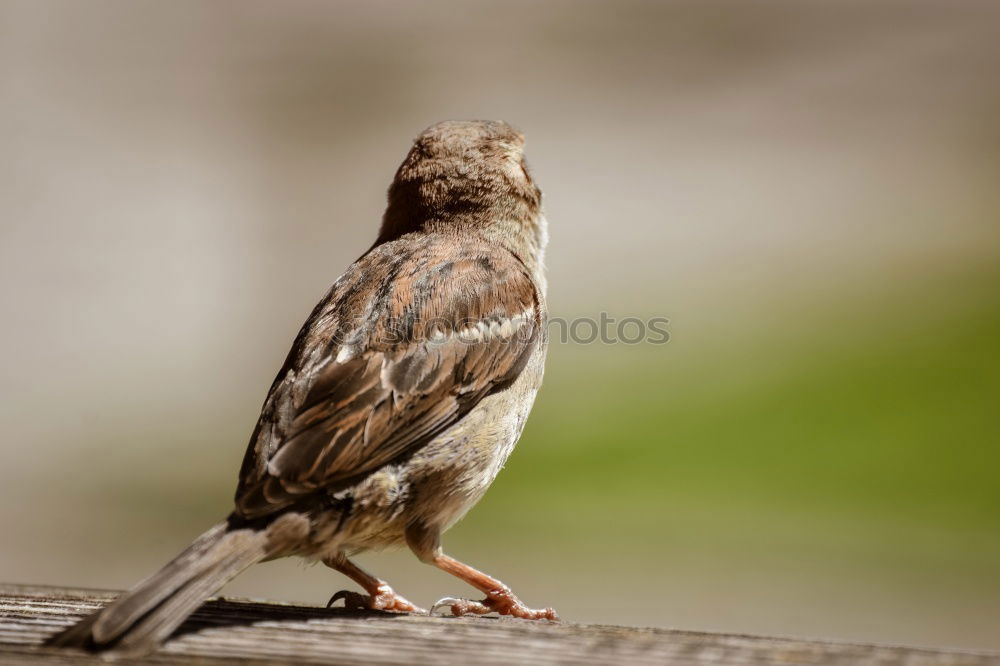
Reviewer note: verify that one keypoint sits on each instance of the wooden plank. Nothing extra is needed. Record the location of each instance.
(236, 631)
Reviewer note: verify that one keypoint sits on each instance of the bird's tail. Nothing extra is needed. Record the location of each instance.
(139, 620)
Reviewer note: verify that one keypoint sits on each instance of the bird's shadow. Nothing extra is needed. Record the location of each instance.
(223, 612)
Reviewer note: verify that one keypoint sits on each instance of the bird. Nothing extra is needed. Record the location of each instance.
(400, 400)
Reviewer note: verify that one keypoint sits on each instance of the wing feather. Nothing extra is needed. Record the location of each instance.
(404, 345)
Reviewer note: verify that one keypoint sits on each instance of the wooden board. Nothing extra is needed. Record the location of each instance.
(231, 631)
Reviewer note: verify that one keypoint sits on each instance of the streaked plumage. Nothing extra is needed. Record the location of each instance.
(400, 400)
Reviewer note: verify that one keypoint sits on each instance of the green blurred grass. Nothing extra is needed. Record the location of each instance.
(865, 426)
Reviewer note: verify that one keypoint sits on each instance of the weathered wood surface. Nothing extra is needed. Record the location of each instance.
(230, 631)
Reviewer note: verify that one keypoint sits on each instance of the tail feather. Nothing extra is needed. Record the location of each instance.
(148, 594)
(143, 617)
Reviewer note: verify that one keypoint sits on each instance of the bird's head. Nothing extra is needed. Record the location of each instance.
(460, 174)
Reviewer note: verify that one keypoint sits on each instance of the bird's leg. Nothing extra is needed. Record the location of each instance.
(380, 596)
(426, 545)
(499, 598)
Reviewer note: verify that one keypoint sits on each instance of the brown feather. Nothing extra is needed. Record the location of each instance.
(398, 386)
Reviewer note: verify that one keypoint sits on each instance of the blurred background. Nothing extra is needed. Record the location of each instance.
(807, 190)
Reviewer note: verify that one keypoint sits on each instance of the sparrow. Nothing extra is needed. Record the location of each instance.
(402, 396)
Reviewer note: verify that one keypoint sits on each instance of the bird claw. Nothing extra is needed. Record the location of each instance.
(352, 600)
(451, 603)
(502, 602)
(384, 599)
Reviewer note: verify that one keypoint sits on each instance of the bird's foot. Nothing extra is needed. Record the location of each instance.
(500, 601)
(383, 598)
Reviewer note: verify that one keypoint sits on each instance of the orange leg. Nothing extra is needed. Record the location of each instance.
(380, 596)
(499, 598)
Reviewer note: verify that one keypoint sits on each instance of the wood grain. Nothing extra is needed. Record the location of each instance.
(236, 631)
